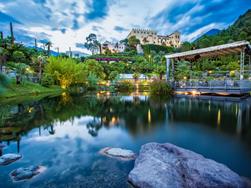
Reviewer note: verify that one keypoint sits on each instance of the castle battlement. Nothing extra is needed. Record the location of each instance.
(148, 36)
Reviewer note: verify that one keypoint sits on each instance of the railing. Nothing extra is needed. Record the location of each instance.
(224, 84)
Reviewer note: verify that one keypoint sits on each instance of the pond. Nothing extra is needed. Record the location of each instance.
(66, 133)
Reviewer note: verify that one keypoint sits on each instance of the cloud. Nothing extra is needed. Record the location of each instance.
(66, 24)
(120, 29)
(80, 45)
(97, 9)
(193, 17)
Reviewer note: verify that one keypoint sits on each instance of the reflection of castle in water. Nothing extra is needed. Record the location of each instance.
(136, 114)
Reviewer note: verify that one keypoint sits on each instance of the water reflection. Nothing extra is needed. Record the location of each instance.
(131, 120)
(134, 112)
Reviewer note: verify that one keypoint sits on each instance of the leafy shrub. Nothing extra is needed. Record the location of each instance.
(92, 80)
(47, 80)
(125, 86)
(159, 87)
(4, 82)
(65, 71)
(113, 75)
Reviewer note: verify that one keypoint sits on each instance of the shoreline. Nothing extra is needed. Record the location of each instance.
(27, 91)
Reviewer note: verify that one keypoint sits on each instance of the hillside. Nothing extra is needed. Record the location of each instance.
(240, 30)
(211, 32)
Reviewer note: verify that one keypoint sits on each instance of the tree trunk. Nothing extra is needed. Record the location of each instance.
(18, 79)
(12, 34)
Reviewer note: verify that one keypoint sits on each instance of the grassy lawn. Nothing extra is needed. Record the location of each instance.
(27, 89)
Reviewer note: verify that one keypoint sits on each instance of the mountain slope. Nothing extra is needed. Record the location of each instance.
(240, 30)
(212, 32)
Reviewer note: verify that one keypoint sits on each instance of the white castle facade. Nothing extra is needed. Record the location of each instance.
(112, 47)
(151, 37)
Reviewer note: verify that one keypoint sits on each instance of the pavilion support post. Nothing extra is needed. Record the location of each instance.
(173, 70)
(242, 59)
(249, 63)
(168, 61)
(173, 61)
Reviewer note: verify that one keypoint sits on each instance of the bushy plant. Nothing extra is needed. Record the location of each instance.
(47, 80)
(65, 71)
(125, 86)
(4, 82)
(113, 75)
(159, 88)
(92, 81)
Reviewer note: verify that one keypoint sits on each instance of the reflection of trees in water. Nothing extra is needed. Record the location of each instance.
(136, 116)
(111, 111)
(94, 126)
(227, 116)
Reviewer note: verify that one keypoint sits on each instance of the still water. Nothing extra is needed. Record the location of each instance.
(65, 134)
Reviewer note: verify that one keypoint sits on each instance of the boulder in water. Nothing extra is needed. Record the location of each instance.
(22, 174)
(9, 158)
(118, 153)
(169, 166)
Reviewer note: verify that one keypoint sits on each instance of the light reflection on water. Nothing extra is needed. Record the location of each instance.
(65, 134)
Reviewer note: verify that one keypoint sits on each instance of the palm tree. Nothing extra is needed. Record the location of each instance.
(49, 45)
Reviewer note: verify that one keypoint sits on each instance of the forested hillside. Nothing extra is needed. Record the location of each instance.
(240, 30)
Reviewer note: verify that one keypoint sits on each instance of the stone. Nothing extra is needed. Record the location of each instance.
(118, 153)
(22, 174)
(169, 166)
(9, 158)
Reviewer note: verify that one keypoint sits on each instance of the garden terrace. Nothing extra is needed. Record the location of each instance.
(226, 87)
(114, 58)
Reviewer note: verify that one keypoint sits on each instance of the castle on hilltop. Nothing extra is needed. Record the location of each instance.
(147, 36)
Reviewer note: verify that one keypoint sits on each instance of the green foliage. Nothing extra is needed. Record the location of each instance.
(136, 76)
(18, 56)
(125, 86)
(92, 43)
(94, 67)
(4, 82)
(182, 70)
(133, 41)
(148, 48)
(240, 30)
(65, 71)
(92, 81)
(113, 75)
(159, 87)
(47, 80)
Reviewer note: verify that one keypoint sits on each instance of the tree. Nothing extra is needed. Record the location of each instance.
(49, 45)
(65, 71)
(4, 82)
(94, 67)
(12, 34)
(92, 43)
(136, 76)
(133, 42)
(18, 56)
(159, 64)
(113, 75)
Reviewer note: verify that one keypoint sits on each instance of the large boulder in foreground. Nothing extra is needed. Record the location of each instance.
(9, 158)
(169, 166)
(118, 153)
(22, 174)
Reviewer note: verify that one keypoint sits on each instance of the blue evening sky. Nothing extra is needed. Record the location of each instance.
(66, 23)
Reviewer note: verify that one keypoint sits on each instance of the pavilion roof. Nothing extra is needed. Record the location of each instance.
(214, 51)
